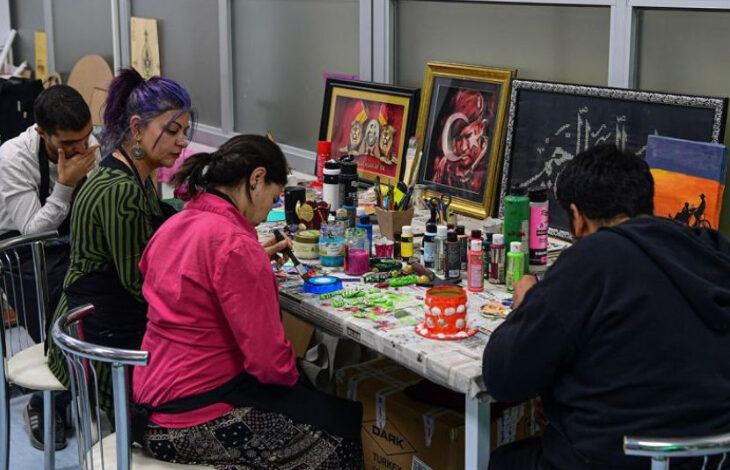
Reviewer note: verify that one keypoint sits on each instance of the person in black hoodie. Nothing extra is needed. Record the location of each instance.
(628, 334)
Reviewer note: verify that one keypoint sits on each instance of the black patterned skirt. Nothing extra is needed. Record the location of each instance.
(251, 439)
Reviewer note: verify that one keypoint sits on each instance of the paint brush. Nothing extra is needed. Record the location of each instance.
(287, 251)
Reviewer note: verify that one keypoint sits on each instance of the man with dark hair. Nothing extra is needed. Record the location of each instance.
(626, 334)
(39, 172)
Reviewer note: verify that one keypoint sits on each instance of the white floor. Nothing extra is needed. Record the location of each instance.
(24, 456)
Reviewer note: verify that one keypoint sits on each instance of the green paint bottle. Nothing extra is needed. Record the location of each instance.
(515, 265)
(516, 218)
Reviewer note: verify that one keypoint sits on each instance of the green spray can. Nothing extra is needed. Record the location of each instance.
(516, 218)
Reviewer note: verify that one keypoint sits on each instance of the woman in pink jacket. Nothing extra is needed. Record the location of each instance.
(222, 386)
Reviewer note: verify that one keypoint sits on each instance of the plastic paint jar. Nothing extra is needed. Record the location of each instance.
(332, 245)
(306, 244)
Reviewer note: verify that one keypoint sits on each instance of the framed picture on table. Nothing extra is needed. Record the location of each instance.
(550, 123)
(460, 130)
(372, 123)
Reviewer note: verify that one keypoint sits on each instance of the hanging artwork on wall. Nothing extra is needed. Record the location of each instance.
(145, 47)
(372, 122)
(689, 179)
(461, 128)
(549, 123)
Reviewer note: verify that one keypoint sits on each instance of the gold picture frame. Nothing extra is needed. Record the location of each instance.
(461, 128)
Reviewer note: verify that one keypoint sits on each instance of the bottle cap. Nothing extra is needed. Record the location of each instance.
(431, 229)
(460, 230)
(407, 230)
(396, 237)
(497, 239)
(538, 195)
(516, 191)
(450, 226)
(452, 237)
(441, 231)
(341, 214)
(476, 234)
(324, 147)
(475, 244)
(348, 167)
(332, 167)
(515, 247)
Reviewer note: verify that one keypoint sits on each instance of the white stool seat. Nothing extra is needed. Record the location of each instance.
(29, 369)
(140, 459)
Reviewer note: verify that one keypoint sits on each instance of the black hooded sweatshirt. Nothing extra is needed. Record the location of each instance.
(628, 334)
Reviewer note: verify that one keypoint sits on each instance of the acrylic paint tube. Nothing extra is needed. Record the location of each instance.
(452, 251)
(515, 265)
(429, 247)
(475, 265)
(538, 230)
(497, 259)
(440, 251)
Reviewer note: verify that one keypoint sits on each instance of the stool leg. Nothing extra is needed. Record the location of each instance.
(49, 431)
(4, 426)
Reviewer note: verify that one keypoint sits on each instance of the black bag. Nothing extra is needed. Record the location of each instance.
(17, 96)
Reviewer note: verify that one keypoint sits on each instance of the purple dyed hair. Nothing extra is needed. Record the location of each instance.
(130, 94)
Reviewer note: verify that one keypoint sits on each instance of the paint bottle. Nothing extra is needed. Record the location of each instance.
(406, 243)
(491, 226)
(440, 249)
(429, 246)
(516, 218)
(515, 265)
(452, 256)
(464, 244)
(364, 223)
(538, 230)
(331, 187)
(324, 153)
(475, 265)
(397, 245)
(342, 218)
(497, 259)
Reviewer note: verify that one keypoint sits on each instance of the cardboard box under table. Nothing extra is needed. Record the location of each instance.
(399, 433)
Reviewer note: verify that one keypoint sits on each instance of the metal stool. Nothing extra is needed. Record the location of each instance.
(80, 356)
(662, 449)
(24, 362)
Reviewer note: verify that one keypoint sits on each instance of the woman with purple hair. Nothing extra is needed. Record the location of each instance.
(146, 124)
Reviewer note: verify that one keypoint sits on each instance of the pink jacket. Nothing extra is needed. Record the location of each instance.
(213, 310)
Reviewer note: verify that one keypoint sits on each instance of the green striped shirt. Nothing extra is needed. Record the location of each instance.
(111, 224)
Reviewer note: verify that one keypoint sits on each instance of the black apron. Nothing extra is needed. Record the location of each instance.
(300, 403)
(57, 255)
(119, 320)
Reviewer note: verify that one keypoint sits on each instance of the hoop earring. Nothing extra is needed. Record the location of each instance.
(137, 151)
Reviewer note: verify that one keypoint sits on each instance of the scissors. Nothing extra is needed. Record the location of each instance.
(439, 205)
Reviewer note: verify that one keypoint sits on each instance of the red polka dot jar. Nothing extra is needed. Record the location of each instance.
(446, 309)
